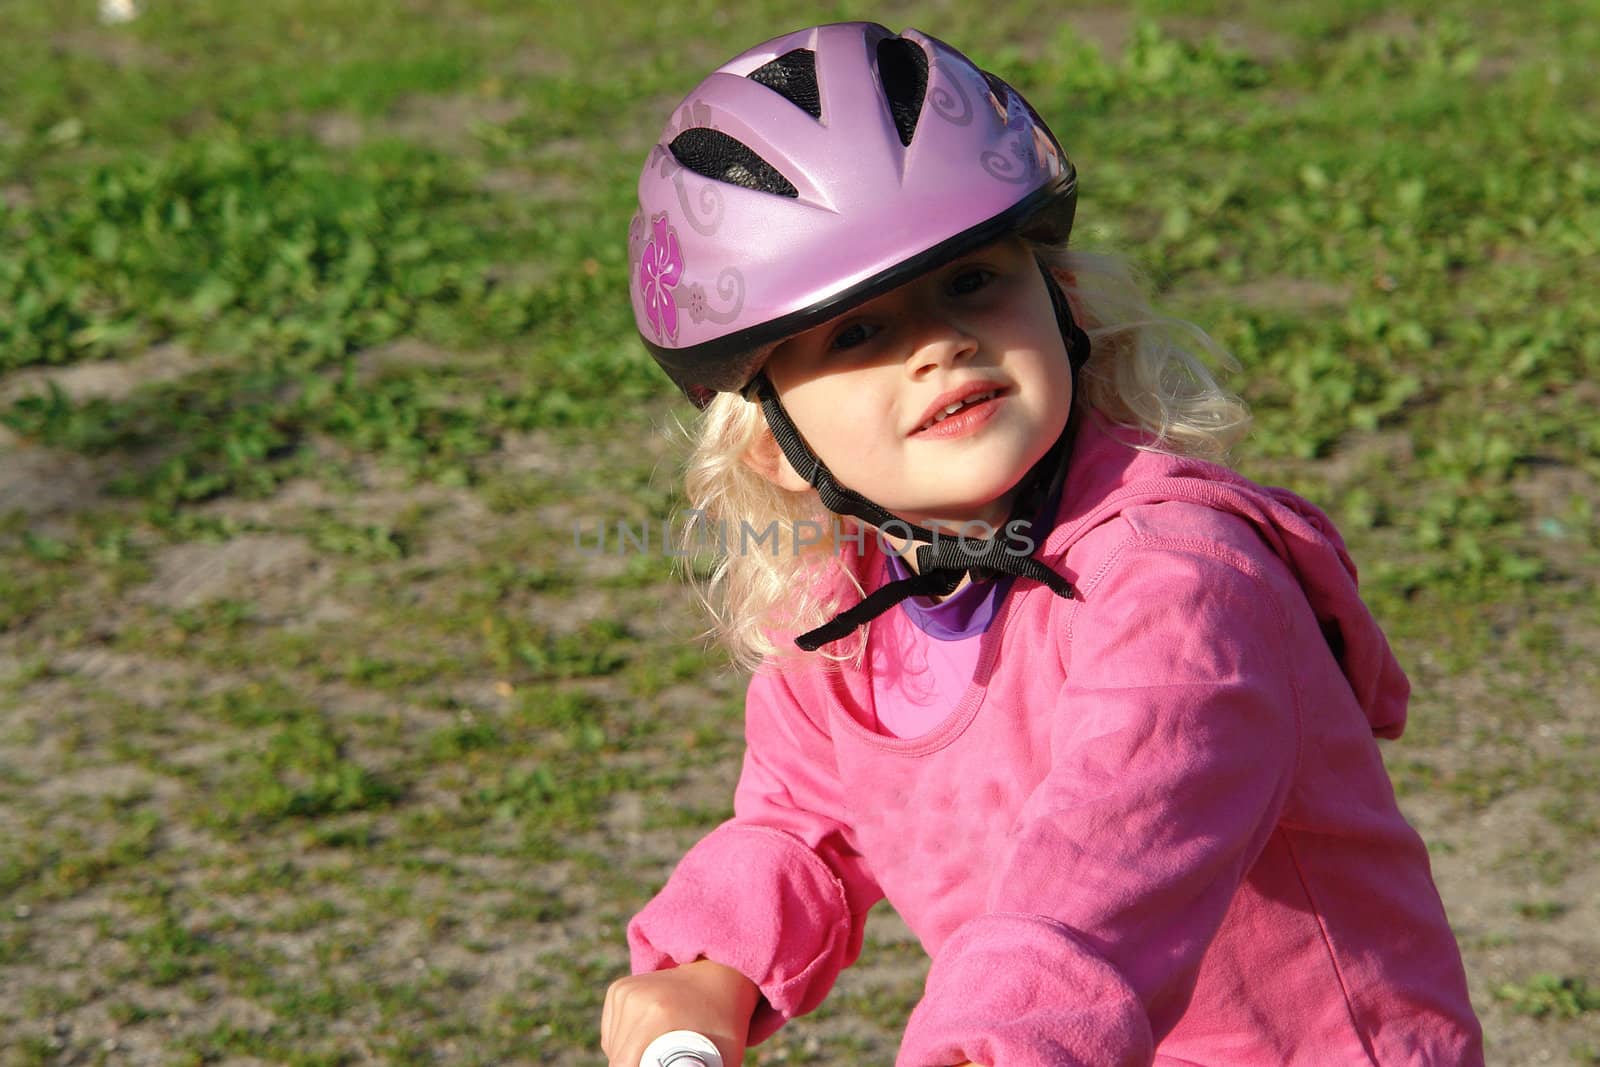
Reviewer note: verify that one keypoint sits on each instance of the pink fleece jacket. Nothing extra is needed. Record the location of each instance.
(1155, 828)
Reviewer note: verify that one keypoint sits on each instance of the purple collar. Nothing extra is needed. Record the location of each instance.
(965, 613)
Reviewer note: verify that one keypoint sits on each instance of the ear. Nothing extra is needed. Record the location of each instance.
(767, 459)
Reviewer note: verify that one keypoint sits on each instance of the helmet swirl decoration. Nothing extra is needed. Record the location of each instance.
(817, 171)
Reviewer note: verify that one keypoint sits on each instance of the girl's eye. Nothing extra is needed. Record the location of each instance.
(971, 280)
(857, 333)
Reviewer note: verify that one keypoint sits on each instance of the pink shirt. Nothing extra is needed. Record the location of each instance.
(1152, 827)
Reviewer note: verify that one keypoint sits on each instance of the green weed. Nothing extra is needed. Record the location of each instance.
(301, 771)
(1550, 996)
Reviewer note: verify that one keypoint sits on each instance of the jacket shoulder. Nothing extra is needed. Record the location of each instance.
(1174, 524)
(1187, 520)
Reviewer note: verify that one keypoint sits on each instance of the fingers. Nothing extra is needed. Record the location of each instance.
(628, 1023)
(610, 1014)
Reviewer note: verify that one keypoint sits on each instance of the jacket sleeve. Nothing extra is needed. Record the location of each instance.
(778, 892)
(1172, 753)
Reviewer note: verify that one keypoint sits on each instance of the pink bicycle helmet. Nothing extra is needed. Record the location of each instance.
(810, 175)
(817, 171)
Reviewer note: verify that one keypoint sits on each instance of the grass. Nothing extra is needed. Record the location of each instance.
(322, 741)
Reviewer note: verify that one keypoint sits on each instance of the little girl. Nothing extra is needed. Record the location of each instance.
(1093, 712)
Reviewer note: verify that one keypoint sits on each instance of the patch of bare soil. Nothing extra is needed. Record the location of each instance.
(525, 273)
(102, 783)
(1109, 29)
(336, 129)
(1277, 294)
(381, 492)
(1363, 453)
(645, 121)
(1260, 44)
(400, 354)
(41, 481)
(108, 379)
(287, 582)
(552, 167)
(1360, 455)
(447, 123)
(532, 185)
(269, 570)
(300, 496)
(132, 677)
(530, 60)
(115, 47)
(535, 452)
(1555, 496)
(1395, 24)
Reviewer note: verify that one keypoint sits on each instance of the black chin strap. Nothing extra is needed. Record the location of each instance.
(943, 561)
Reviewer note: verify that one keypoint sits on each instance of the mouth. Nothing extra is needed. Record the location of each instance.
(955, 402)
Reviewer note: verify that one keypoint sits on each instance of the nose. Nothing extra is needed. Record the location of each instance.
(937, 341)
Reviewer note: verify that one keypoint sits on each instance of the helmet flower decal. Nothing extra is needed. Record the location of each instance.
(660, 268)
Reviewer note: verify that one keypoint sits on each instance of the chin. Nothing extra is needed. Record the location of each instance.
(956, 515)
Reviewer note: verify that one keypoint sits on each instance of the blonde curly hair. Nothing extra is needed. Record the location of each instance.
(1145, 371)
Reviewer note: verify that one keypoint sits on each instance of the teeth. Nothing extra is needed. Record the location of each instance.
(958, 405)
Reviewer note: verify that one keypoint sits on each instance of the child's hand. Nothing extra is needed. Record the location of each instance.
(703, 996)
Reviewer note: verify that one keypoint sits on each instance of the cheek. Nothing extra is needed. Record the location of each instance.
(835, 422)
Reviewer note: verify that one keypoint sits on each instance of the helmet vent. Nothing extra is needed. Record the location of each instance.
(999, 90)
(793, 76)
(903, 70)
(718, 156)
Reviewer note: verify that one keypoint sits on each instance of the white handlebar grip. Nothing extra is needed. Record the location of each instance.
(681, 1048)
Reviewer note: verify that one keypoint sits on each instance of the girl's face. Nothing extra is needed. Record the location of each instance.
(871, 391)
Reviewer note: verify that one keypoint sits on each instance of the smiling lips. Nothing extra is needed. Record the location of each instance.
(959, 411)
